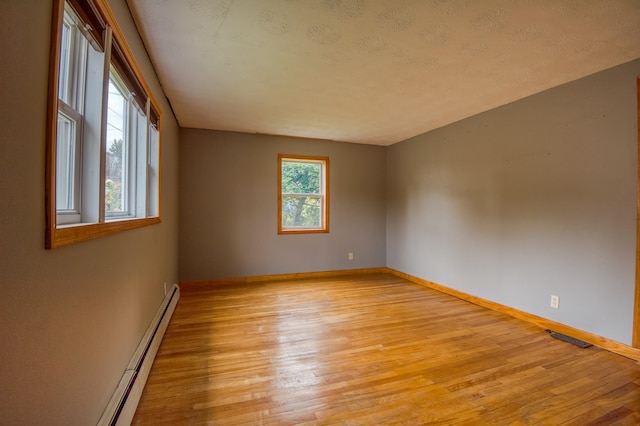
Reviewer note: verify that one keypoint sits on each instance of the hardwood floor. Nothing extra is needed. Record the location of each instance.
(372, 350)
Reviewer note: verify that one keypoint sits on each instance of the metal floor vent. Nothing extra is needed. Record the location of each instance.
(569, 339)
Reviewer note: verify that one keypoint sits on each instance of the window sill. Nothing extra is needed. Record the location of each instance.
(302, 231)
(70, 234)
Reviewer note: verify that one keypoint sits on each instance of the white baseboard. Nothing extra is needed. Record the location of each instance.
(124, 401)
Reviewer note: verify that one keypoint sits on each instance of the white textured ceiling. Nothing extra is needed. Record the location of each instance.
(372, 71)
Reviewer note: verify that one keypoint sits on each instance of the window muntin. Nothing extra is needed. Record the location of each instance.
(103, 143)
(303, 196)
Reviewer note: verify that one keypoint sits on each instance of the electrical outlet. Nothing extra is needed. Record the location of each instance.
(165, 288)
(555, 301)
(350, 256)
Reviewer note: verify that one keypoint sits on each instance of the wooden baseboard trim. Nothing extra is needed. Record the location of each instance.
(594, 339)
(185, 285)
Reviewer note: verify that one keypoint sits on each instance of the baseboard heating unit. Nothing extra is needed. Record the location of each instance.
(124, 401)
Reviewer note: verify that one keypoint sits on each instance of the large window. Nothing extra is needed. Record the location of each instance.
(103, 145)
(303, 195)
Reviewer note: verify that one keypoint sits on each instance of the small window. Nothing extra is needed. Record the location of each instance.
(303, 195)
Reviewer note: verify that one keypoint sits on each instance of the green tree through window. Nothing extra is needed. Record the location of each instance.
(303, 194)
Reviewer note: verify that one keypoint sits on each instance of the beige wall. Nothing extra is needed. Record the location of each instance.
(71, 317)
(531, 199)
(228, 216)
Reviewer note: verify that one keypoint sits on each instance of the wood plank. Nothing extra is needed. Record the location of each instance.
(368, 349)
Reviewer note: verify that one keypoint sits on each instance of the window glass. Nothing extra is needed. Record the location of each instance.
(72, 68)
(65, 55)
(303, 194)
(116, 164)
(153, 174)
(65, 163)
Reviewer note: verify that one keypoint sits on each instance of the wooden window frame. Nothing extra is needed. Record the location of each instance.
(325, 194)
(100, 19)
(636, 311)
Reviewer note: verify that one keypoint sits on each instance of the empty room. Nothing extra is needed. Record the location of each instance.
(271, 212)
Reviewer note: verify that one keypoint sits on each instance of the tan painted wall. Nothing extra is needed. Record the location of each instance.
(228, 216)
(71, 317)
(535, 198)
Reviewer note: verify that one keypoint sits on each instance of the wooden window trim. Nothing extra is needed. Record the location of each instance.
(325, 212)
(636, 315)
(70, 234)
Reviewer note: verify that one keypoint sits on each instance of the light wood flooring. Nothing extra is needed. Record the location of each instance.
(372, 350)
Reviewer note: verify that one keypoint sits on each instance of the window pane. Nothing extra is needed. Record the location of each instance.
(304, 194)
(300, 211)
(73, 58)
(116, 165)
(65, 163)
(153, 172)
(301, 177)
(65, 58)
(138, 161)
